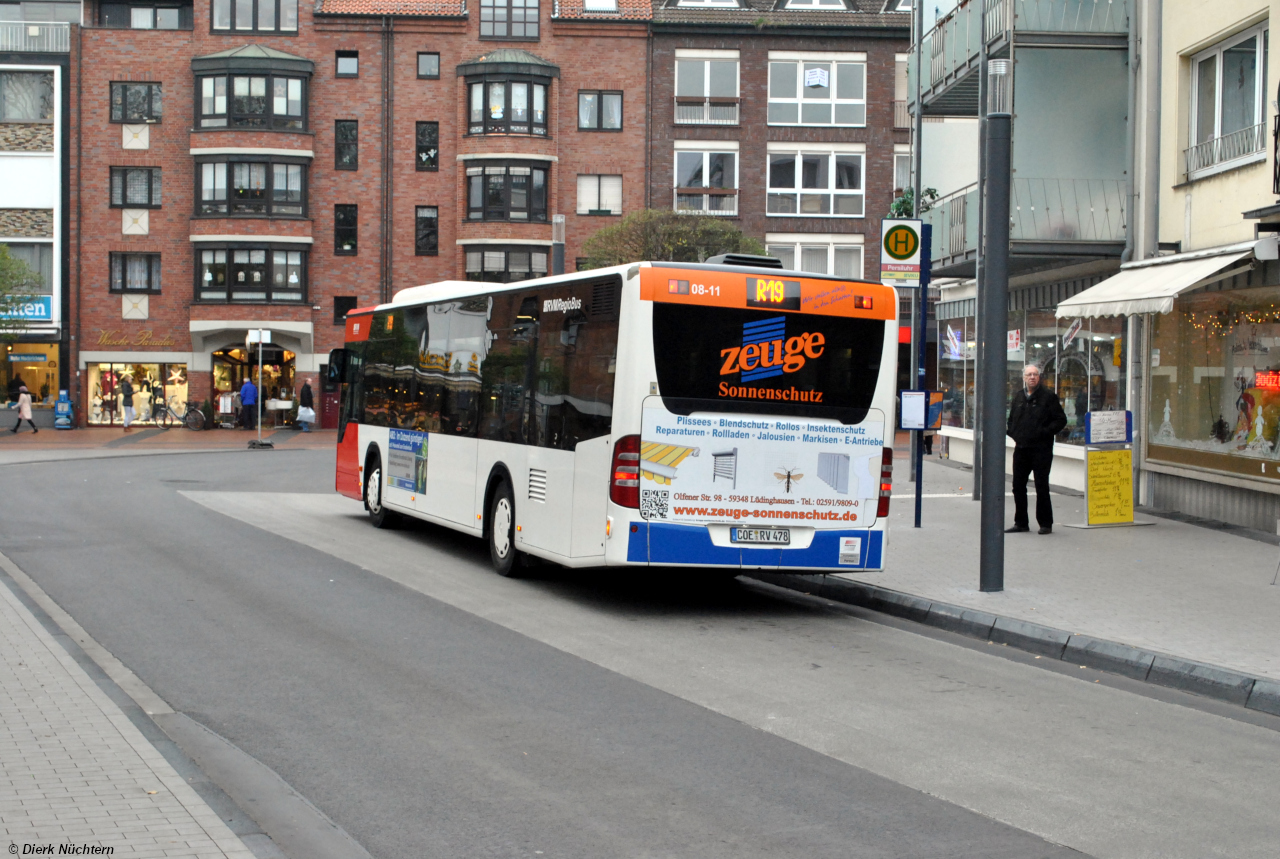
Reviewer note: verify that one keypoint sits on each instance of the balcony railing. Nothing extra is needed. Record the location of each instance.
(1041, 210)
(706, 111)
(901, 116)
(20, 36)
(956, 39)
(707, 201)
(1228, 147)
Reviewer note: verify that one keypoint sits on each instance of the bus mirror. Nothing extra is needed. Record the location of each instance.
(337, 366)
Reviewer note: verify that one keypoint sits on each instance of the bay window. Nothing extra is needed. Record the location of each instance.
(815, 183)
(820, 91)
(254, 274)
(250, 188)
(505, 106)
(251, 101)
(507, 191)
(506, 263)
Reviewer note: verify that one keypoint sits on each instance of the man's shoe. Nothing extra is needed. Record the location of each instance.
(1016, 529)
(1047, 529)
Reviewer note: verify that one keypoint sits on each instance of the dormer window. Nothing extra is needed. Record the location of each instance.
(730, 3)
(260, 16)
(600, 5)
(815, 4)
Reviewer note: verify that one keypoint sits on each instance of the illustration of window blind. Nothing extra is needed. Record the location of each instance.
(833, 470)
(725, 465)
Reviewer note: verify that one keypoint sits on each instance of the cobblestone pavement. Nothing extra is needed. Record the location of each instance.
(74, 769)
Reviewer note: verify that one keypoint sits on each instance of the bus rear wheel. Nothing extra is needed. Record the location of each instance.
(502, 531)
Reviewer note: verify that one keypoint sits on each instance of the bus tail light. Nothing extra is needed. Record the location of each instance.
(886, 482)
(624, 483)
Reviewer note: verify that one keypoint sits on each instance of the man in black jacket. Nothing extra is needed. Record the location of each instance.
(1035, 417)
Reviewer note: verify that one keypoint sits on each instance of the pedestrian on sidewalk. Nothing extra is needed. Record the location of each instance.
(126, 394)
(306, 401)
(1035, 417)
(24, 410)
(249, 403)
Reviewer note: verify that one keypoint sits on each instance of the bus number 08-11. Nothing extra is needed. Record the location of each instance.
(703, 289)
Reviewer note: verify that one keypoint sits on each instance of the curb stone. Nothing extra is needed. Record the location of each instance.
(1199, 678)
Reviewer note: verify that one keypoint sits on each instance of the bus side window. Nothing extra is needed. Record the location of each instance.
(450, 364)
(506, 395)
(575, 363)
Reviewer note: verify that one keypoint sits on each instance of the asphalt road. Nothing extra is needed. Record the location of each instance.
(434, 709)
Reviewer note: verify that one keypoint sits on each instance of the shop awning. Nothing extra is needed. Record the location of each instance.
(1151, 286)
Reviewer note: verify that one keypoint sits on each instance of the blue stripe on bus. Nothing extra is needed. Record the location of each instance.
(663, 543)
(771, 322)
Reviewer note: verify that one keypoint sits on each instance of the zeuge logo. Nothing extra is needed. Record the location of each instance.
(560, 305)
(767, 351)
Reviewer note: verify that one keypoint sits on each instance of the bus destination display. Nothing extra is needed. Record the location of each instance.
(773, 293)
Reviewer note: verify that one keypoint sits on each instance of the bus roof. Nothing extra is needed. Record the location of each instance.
(446, 290)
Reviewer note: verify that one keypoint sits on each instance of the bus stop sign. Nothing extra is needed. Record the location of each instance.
(900, 253)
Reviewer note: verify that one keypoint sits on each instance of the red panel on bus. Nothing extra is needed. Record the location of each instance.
(348, 474)
(358, 325)
(789, 293)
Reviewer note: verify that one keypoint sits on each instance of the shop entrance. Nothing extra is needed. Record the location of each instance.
(235, 363)
(152, 384)
(34, 365)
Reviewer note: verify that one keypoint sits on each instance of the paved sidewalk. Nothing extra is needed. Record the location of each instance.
(75, 770)
(1174, 588)
(96, 442)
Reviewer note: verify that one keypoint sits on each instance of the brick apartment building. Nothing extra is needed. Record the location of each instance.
(242, 164)
(788, 115)
(265, 163)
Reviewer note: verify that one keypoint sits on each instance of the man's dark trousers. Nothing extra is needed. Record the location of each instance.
(1027, 460)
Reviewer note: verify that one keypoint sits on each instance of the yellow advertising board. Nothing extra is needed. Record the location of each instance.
(1109, 486)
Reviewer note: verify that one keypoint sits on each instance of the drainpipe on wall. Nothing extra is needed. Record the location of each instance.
(1130, 137)
(1152, 15)
(388, 138)
(76, 396)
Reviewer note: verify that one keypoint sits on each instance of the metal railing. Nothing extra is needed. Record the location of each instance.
(46, 38)
(1042, 210)
(1228, 147)
(706, 111)
(956, 39)
(901, 116)
(1077, 210)
(954, 232)
(706, 201)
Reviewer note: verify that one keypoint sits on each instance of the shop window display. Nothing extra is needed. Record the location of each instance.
(34, 365)
(153, 384)
(236, 363)
(1085, 367)
(1215, 380)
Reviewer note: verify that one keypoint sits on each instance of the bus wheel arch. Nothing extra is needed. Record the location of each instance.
(375, 481)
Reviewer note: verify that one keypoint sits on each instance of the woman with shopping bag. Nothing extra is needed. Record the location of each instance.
(306, 407)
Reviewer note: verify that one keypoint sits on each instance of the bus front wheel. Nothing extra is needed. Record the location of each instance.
(378, 514)
(502, 530)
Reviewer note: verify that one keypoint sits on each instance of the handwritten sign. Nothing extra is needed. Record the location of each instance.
(1109, 486)
(1109, 428)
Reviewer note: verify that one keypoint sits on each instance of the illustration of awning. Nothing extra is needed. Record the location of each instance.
(658, 461)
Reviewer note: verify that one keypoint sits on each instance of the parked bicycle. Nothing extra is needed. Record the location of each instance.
(190, 415)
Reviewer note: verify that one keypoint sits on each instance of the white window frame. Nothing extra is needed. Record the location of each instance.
(797, 242)
(1217, 154)
(820, 5)
(706, 148)
(707, 113)
(799, 150)
(902, 151)
(800, 59)
(732, 3)
(583, 207)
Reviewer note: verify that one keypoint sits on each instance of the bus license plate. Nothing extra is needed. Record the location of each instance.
(777, 536)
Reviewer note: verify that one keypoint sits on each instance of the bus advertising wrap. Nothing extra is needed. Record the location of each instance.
(715, 467)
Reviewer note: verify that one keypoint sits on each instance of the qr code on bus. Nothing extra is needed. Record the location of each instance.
(653, 503)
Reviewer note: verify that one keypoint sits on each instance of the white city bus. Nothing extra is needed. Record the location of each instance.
(728, 415)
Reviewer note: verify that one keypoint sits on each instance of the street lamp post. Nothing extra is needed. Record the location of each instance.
(994, 318)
